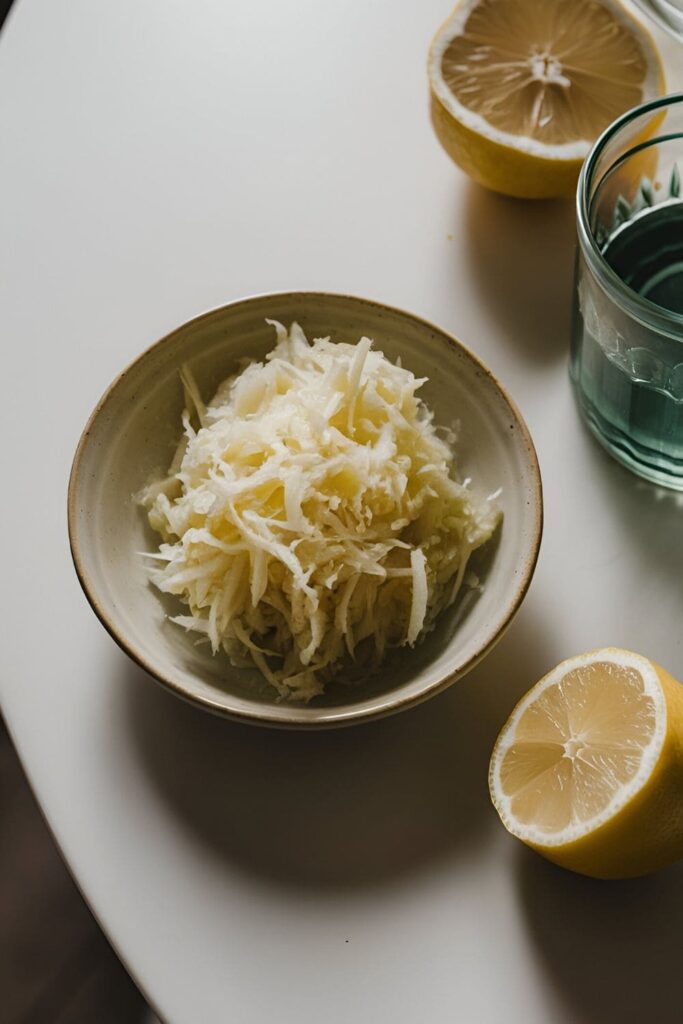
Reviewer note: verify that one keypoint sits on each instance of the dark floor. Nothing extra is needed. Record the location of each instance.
(4, 10)
(56, 967)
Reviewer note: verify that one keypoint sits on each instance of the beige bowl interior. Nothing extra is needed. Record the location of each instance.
(131, 438)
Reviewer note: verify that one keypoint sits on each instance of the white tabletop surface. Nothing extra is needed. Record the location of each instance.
(160, 157)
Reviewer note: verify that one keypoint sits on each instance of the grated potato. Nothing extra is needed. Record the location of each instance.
(310, 517)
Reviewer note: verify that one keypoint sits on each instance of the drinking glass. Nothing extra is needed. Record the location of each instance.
(627, 331)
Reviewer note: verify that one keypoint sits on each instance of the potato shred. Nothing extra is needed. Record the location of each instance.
(310, 517)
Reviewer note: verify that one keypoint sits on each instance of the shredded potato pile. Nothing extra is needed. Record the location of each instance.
(309, 517)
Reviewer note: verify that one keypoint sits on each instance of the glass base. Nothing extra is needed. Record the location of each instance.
(646, 463)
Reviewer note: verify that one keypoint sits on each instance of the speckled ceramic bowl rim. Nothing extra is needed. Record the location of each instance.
(387, 703)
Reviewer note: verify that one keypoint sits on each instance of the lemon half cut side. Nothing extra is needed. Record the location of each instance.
(520, 89)
(588, 769)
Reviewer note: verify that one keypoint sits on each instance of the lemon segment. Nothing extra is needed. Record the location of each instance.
(588, 769)
(520, 90)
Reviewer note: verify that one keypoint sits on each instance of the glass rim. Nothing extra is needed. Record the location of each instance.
(647, 312)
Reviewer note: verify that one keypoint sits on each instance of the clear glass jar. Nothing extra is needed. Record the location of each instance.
(627, 332)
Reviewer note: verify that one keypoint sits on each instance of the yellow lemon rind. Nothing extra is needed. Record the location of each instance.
(511, 172)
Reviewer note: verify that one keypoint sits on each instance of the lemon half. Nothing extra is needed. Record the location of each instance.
(521, 89)
(588, 769)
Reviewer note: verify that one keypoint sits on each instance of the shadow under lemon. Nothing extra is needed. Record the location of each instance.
(521, 266)
(339, 809)
(611, 949)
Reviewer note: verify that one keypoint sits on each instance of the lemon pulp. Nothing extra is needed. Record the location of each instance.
(577, 746)
(588, 769)
(557, 72)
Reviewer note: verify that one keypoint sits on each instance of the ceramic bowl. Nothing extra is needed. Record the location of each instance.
(131, 436)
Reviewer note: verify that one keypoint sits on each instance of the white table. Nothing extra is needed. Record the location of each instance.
(160, 157)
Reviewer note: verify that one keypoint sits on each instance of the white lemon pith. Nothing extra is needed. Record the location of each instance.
(520, 89)
(588, 769)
